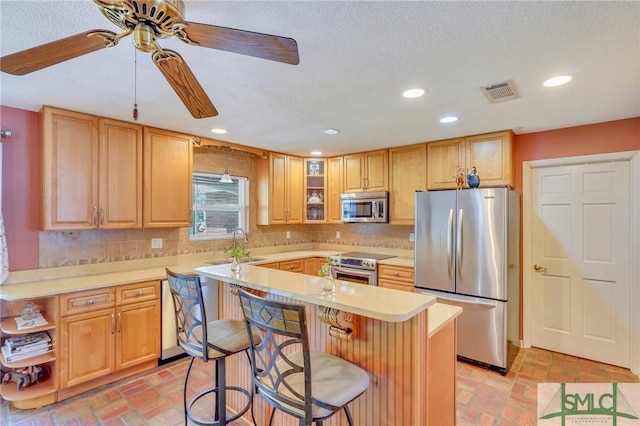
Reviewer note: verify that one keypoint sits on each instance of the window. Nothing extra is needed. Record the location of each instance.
(218, 208)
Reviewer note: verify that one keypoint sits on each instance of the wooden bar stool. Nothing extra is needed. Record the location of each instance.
(309, 385)
(206, 340)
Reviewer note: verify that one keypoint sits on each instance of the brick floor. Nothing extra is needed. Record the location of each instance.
(484, 397)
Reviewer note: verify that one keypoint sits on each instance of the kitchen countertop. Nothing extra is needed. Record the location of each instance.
(53, 281)
(369, 301)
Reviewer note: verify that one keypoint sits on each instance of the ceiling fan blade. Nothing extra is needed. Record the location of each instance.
(185, 84)
(265, 46)
(45, 55)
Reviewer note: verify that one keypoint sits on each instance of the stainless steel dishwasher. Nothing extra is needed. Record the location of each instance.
(169, 343)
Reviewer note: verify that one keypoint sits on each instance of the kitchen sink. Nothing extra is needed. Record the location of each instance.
(244, 260)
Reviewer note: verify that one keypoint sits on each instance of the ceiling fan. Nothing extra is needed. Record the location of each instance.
(149, 21)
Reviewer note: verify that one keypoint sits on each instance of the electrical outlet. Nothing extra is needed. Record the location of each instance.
(288, 234)
(412, 236)
(156, 243)
(337, 234)
(70, 234)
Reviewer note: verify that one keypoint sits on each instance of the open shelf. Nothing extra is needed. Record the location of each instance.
(8, 326)
(34, 360)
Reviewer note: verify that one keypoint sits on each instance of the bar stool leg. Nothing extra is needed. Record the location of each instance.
(184, 392)
(221, 406)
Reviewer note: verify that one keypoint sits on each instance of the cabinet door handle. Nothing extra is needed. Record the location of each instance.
(94, 221)
(113, 323)
(102, 215)
(119, 322)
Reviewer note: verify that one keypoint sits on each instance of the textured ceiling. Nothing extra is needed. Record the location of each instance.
(356, 58)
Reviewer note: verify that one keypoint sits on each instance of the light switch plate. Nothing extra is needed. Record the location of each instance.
(337, 234)
(156, 243)
(412, 236)
(288, 234)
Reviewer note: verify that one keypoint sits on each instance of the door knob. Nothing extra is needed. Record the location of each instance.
(540, 268)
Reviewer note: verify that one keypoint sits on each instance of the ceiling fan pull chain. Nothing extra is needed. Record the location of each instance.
(135, 84)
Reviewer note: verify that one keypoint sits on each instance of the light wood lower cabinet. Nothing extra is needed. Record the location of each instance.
(107, 334)
(292, 265)
(395, 277)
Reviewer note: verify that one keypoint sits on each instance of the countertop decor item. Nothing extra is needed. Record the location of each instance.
(473, 179)
(237, 253)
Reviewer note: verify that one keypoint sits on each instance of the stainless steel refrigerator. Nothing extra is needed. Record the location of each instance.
(467, 253)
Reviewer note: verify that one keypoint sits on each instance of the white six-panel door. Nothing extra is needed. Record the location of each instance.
(580, 252)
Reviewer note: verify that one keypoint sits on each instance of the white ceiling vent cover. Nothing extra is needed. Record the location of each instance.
(501, 92)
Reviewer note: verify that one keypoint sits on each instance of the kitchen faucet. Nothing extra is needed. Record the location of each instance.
(239, 230)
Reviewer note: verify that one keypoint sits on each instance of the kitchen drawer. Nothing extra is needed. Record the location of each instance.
(396, 273)
(87, 301)
(138, 292)
(292, 265)
(273, 265)
(396, 285)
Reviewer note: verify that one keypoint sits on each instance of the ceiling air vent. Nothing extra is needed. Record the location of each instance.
(501, 92)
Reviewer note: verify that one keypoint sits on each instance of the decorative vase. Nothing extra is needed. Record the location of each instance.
(236, 266)
(473, 179)
(328, 284)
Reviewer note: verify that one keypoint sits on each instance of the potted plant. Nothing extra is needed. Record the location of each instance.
(325, 271)
(236, 253)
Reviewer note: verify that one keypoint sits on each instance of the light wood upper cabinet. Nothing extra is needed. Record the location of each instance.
(367, 171)
(490, 153)
(334, 189)
(280, 189)
(168, 159)
(92, 172)
(120, 175)
(408, 174)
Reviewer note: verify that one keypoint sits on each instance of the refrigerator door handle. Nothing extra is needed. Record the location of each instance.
(450, 245)
(459, 250)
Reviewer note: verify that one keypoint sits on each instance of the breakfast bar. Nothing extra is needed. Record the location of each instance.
(405, 341)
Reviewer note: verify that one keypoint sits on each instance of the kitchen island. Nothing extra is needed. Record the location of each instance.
(405, 341)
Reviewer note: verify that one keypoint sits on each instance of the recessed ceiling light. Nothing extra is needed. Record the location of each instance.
(331, 131)
(448, 119)
(413, 93)
(316, 152)
(557, 81)
(219, 131)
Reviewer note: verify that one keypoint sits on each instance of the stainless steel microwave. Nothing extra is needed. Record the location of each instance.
(365, 207)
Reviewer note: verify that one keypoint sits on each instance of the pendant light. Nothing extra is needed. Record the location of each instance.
(225, 177)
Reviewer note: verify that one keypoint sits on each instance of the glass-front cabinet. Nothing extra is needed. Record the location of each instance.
(315, 190)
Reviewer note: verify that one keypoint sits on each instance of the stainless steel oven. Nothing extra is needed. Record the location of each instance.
(357, 267)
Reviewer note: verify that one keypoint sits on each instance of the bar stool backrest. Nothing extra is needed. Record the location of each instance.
(191, 318)
(284, 331)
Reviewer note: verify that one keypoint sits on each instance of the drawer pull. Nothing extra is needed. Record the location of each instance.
(89, 301)
(396, 274)
(139, 293)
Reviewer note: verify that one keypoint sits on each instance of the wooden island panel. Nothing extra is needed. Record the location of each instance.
(394, 354)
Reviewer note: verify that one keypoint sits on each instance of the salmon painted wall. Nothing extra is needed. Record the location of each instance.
(611, 136)
(21, 186)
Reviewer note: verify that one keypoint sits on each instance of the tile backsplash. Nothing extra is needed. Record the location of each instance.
(100, 246)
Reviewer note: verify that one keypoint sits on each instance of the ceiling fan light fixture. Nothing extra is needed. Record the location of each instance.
(143, 38)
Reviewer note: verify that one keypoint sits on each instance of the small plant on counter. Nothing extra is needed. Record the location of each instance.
(237, 253)
(325, 268)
